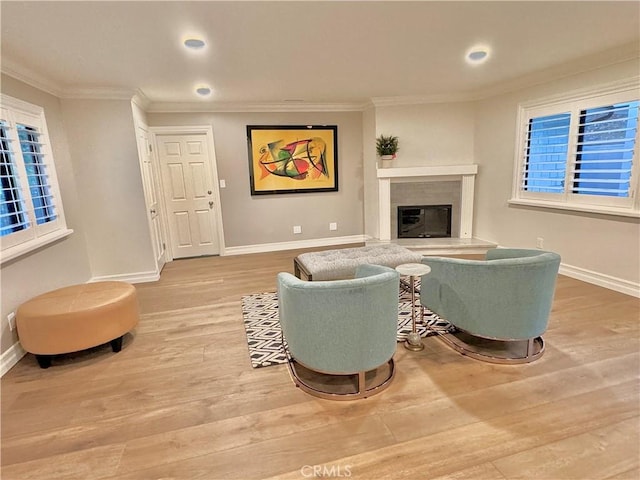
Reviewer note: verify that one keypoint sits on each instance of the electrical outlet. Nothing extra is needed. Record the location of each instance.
(297, 229)
(333, 226)
(11, 318)
(540, 242)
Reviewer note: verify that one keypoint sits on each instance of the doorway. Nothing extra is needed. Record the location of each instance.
(190, 193)
(151, 187)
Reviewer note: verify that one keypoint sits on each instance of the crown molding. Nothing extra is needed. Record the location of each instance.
(230, 107)
(421, 99)
(36, 80)
(620, 85)
(141, 100)
(596, 61)
(98, 93)
(620, 54)
(606, 58)
(30, 77)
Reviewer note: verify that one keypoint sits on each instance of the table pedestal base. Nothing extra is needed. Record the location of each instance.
(414, 342)
(412, 270)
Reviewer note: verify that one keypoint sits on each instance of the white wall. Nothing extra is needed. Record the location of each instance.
(267, 219)
(102, 142)
(94, 146)
(59, 264)
(597, 245)
(429, 134)
(371, 224)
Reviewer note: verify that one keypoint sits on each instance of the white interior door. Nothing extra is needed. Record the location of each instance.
(151, 189)
(188, 185)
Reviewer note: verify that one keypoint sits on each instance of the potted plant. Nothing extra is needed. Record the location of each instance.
(386, 147)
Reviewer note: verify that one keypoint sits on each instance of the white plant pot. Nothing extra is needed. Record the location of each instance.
(385, 160)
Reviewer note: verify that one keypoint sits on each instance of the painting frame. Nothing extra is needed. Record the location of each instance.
(292, 158)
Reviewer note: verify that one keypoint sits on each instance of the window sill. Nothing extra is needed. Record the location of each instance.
(613, 211)
(16, 251)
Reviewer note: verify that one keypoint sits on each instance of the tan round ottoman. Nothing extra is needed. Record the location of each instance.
(77, 317)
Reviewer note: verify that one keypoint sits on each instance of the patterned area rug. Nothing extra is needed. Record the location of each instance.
(264, 339)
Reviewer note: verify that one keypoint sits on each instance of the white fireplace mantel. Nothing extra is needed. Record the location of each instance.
(464, 173)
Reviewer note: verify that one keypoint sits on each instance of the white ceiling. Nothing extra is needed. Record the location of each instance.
(319, 52)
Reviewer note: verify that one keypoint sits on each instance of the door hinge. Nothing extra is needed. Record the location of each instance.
(150, 148)
(164, 246)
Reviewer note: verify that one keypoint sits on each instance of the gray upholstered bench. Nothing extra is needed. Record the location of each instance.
(342, 263)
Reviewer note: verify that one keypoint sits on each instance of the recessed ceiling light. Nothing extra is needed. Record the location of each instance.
(194, 43)
(477, 54)
(203, 90)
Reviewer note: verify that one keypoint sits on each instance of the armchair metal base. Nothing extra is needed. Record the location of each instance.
(342, 387)
(493, 350)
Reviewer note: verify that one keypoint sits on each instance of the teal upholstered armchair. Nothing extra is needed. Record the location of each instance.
(337, 331)
(506, 297)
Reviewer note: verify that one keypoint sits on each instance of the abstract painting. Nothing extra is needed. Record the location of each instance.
(292, 159)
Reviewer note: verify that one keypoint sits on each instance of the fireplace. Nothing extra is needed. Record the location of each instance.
(424, 221)
(427, 182)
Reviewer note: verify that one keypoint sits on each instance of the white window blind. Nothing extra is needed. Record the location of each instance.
(39, 182)
(546, 153)
(31, 213)
(13, 217)
(580, 153)
(604, 150)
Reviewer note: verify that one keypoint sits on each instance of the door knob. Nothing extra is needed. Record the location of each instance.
(210, 204)
(152, 211)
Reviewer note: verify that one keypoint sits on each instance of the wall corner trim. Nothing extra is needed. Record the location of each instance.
(311, 243)
(137, 277)
(11, 357)
(602, 280)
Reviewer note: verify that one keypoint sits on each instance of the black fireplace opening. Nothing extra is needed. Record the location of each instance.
(424, 221)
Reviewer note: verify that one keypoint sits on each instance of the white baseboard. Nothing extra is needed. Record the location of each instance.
(11, 357)
(138, 277)
(602, 280)
(273, 247)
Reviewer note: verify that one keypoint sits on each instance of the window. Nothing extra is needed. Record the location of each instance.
(604, 150)
(31, 213)
(580, 154)
(546, 155)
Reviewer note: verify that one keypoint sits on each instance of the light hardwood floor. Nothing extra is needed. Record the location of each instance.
(181, 400)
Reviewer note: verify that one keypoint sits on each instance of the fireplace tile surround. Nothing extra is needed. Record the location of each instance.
(426, 193)
(446, 184)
